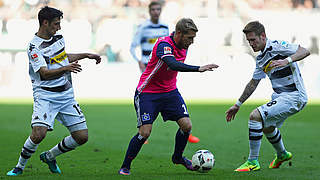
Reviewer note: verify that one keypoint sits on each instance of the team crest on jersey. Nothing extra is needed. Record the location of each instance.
(167, 50)
(34, 56)
(146, 117)
(59, 58)
(152, 40)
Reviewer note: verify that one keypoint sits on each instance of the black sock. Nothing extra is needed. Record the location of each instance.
(181, 142)
(133, 149)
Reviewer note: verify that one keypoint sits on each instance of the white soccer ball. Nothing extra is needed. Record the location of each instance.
(203, 161)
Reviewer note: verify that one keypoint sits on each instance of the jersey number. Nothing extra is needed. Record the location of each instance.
(185, 109)
(77, 107)
(271, 103)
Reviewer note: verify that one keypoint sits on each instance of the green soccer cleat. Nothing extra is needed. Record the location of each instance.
(278, 161)
(54, 168)
(249, 165)
(15, 172)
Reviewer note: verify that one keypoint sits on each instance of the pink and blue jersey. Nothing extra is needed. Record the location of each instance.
(158, 78)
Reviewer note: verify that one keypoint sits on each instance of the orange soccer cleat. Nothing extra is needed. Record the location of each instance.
(193, 139)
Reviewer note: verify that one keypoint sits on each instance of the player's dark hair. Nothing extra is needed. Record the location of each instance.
(48, 13)
(254, 26)
(153, 3)
(186, 24)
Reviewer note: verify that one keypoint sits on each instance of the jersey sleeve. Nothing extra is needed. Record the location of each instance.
(164, 49)
(36, 59)
(258, 73)
(286, 49)
(136, 42)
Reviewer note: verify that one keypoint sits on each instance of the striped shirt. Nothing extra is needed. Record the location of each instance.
(283, 79)
(146, 35)
(49, 53)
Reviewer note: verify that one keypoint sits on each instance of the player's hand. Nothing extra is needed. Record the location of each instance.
(94, 56)
(142, 66)
(231, 113)
(74, 67)
(208, 67)
(279, 63)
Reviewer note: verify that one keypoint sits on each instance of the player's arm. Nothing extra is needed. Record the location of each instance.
(300, 54)
(79, 56)
(249, 89)
(164, 52)
(136, 42)
(50, 74)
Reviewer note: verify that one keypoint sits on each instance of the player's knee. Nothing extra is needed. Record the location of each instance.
(82, 139)
(145, 133)
(268, 130)
(255, 116)
(37, 137)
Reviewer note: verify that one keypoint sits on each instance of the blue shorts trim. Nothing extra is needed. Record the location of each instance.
(148, 106)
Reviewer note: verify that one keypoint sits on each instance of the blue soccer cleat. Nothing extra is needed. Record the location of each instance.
(54, 168)
(184, 161)
(124, 171)
(15, 172)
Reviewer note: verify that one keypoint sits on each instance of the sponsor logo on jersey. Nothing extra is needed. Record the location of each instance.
(167, 50)
(59, 58)
(33, 56)
(152, 40)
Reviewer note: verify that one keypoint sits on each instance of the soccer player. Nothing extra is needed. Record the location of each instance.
(145, 37)
(277, 60)
(49, 69)
(157, 92)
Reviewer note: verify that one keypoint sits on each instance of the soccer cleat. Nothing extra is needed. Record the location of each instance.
(54, 168)
(252, 165)
(124, 171)
(15, 172)
(184, 161)
(278, 161)
(193, 139)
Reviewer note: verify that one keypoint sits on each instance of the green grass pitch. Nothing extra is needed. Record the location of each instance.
(111, 126)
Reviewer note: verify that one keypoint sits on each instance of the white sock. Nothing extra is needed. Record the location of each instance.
(28, 149)
(67, 144)
(276, 141)
(255, 136)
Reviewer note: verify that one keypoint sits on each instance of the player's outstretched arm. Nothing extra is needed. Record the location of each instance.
(49, 74)
(250, 88)
(208, 67)
(79, 56)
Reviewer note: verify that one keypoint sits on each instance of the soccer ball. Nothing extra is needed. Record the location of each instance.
(203, 161)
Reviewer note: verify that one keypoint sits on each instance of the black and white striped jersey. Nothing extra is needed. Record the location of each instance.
(145, 37)
(49, 53)
(283, 79)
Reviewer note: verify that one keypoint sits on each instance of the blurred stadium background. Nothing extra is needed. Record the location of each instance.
(107, 26)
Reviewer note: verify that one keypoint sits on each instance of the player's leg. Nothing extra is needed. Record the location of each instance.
(30, 146)
(71, 116)
(134, 148)
(174, 108)
(42, 121)
(181, 140)
(275, 114)
(147, 111)
(255, 136)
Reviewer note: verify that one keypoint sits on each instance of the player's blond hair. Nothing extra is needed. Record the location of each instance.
(254, 26)
(186, 24)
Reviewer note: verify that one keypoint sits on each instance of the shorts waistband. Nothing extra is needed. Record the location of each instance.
(62, 88)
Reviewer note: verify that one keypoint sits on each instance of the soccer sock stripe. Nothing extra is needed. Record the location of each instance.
(67, 144)
(133, 149)
(180, 143)
(255, 136)
(276, 140)
(28, 149)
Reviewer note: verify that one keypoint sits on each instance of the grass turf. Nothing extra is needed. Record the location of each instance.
(111, 127)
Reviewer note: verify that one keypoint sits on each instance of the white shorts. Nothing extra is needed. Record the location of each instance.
(67, 112)
(275, 112)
